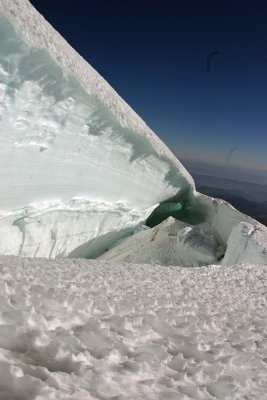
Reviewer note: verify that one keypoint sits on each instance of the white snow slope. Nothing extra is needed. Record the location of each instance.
(174, 242)
(79, 169)
(84, 330)
(170, 243)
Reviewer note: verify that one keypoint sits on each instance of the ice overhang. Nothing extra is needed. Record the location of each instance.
(79, 169)
(71, 148)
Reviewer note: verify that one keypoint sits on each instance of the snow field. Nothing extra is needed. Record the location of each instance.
(80, 329)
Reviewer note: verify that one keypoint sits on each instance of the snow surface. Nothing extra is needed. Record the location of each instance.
(170, 243)
(83, 330)
(247, 242)
(174, 242)
(80, 173)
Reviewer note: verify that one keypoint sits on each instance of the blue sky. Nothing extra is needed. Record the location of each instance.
(153, 53)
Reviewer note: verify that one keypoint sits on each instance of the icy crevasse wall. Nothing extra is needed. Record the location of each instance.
(79, 169)
(76, 162)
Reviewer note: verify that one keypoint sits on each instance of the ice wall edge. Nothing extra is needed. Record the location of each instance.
(79, 169)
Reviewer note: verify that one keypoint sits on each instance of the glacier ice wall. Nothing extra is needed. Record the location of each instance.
(79, 169)
(71, 148)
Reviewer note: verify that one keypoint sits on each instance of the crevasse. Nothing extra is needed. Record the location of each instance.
(79, 169)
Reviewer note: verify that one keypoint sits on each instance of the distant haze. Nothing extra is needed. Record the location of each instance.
(226, 170)
(244, 188)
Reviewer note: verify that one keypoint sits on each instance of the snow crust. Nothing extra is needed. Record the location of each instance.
(83, 330)
(68, 229)
(170, 243)
(246, 243)
(225, 237)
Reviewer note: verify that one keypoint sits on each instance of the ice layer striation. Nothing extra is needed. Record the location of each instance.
(79, 169)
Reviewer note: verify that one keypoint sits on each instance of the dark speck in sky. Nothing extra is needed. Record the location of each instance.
(152, 53)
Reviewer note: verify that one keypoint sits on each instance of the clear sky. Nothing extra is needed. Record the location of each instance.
(154, 54)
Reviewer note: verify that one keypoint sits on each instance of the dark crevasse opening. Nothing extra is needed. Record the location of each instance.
(185, 208)
(162, 212)
(177, 233)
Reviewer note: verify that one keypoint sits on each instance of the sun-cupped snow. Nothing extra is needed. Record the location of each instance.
(89, 330)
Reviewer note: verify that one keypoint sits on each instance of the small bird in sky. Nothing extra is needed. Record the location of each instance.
(209, 58)
(230, 153)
